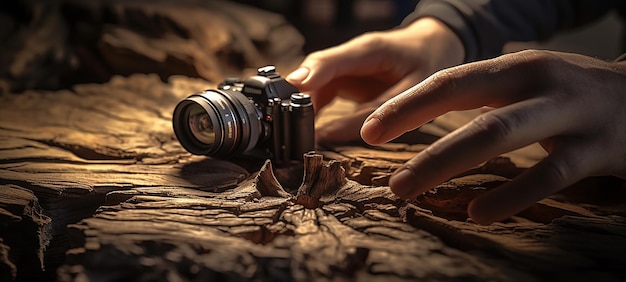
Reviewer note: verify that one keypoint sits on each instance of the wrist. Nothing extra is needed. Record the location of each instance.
(446, 47)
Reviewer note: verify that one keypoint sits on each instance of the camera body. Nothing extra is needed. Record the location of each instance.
(263, 116)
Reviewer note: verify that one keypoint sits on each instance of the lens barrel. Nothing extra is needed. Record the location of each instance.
(302, 125)
(219, 123)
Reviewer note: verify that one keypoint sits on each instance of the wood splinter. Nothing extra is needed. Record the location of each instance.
(319, 179)
(266, 183)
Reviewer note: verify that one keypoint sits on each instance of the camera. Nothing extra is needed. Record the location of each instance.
(262, 116)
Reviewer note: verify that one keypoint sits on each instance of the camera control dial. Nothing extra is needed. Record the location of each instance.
(268, 71)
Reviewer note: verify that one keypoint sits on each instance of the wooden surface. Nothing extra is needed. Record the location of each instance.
(95, 187)
(57, 44)
(25, 232)
(103, 159)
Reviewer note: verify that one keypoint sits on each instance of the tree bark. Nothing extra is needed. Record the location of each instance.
(95, 186)
(140, 208)
(25, 232)
(57, 44)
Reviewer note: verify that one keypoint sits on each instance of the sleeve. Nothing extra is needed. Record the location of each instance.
(484, 26)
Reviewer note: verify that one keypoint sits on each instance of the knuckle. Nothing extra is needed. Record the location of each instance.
(315, 57)
(444, 81)
(372, 39)
(539, 64)
(533, 54)
(389, 110)
(441, 77)
(494, 125)
(557, 173)
(430, 154)
(533, 57)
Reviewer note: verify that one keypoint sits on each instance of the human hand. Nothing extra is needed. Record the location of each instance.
(372, 68)
(572, 104)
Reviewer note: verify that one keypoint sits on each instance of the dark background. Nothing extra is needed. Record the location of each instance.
(325, 23)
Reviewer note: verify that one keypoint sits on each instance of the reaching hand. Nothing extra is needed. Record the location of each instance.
(374, 67)
(574, 105)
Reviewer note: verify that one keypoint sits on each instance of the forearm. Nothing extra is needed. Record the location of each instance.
(484, 26)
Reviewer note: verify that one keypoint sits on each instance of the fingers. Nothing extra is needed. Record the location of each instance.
(493, 83)
(347, 128)
(557, 171)
(352, 88)
(325, 72)
(530, 99)
(496, 132)
(360, 56)
(489, 135)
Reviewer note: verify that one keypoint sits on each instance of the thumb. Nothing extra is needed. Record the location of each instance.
(354, 58)
(298, 76)
(315, 71)
(314, 74)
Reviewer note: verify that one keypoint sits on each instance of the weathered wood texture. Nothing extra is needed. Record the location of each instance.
(102, 158)
(106, 154)
(25, 232)
(56, 44)
(71, 147)
(331, 228)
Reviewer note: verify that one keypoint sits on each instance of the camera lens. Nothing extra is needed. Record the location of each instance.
(200, 124)
(218, 123)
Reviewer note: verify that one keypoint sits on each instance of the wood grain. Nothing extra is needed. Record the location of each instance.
(95, 187)
(24, 235)
(140, 208)
(57, 44)
(323, 232)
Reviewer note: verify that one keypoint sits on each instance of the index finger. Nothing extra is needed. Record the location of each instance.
(496, 82)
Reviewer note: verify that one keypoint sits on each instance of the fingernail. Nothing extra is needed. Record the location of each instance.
(402, 181)
(371, 130)
(298, 75)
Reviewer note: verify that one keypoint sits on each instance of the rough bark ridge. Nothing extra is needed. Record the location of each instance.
(258, 231)
(57, 44)
(102, 158)
(332, 228)
(25, 232)
(72, 147)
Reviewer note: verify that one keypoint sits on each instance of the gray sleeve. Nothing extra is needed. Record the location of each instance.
(484, 26)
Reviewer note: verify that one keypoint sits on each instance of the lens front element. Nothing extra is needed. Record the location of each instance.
(200, 124)
(218, 123)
